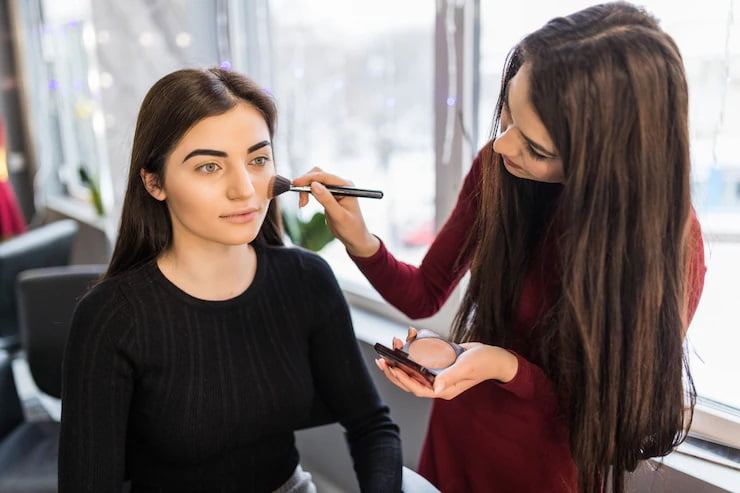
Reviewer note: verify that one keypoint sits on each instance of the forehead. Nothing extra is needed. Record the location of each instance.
(522, 111)
(517, 90)
(241, 123)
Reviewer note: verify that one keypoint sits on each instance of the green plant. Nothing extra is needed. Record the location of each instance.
(313, 234)
(97, 200)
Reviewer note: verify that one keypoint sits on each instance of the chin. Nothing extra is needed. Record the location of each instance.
(240, 239)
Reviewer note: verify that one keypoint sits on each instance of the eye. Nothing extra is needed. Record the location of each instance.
(208, 168)
(260, 161)
(535, 154)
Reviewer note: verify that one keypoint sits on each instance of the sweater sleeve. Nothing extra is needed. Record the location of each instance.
(421, 291)
(97, 384)
(697, 269)
(344, 384)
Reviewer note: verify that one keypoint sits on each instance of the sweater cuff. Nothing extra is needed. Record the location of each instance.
(529, 382)
(375, 258)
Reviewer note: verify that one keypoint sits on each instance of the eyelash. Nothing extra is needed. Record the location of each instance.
(265, 160)
(202, 167)
(535, 155)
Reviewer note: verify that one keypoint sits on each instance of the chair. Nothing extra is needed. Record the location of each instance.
(44, 332)
(47, 245)
(29, 449)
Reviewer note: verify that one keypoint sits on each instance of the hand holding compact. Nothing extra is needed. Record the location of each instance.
(343, 214)
(477, 363)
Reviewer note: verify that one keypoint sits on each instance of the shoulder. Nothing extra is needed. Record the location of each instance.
(304, 271)
(296, 258)
(472, 184)
(108, 303)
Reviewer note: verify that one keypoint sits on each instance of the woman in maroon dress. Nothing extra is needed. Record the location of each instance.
(586, 264)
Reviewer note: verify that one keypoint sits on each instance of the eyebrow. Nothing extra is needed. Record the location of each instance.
(205, 152)
(531, 142)
(213, 152)
(258, 145)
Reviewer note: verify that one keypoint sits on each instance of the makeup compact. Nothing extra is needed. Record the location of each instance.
(425, 356)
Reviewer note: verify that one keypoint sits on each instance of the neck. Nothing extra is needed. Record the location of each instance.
(216, 272)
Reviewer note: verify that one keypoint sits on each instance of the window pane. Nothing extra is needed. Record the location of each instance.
(710, 44)
(354, 91)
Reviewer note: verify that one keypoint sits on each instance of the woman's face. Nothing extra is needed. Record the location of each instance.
(524, 143)
(216, 179)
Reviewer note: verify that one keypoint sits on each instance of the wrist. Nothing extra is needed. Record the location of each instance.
(508, 366)
(366, 248)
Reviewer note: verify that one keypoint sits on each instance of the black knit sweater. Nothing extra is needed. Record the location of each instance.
(181, 394)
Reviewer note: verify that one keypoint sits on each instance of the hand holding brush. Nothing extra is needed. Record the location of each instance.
(343, 213)
(280, 184)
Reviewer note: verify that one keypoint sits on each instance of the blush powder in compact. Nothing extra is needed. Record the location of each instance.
(432, 352)
(424, 356)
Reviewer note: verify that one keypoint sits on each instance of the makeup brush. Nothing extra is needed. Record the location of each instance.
(280, 184)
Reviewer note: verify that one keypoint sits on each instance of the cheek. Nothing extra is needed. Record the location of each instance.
(550, 172)
(261, 182)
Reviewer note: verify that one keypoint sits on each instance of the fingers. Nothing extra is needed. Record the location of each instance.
(469, 345)
(327, 200)
(411, 334)
(317, 174)
(397, 343)
(404, 381)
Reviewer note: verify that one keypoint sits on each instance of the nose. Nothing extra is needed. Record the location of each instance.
(240, 184)
(506, 143)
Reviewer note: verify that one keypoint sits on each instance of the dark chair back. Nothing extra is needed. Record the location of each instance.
(28, 450)
(47, 298)
(45, 246)
(11, 410)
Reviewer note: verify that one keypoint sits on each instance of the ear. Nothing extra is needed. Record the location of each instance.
(152, 185)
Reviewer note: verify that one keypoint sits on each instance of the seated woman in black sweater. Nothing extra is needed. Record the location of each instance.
(208, 343)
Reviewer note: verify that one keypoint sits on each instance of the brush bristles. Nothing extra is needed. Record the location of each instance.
(279, 185)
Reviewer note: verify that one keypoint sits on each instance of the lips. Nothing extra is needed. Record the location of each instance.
(241, 216)
(508, 162)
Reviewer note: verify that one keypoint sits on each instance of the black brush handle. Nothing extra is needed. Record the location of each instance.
(344, 191)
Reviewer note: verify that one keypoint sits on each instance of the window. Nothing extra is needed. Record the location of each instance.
(86, 73)
(63, 96)
(354, 86)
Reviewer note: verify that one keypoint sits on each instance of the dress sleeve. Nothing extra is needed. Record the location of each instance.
(697, 269)
(530, 382)
(343, 383)
(97, 383)
(421, 291)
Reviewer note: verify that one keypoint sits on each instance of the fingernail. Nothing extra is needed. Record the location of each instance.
(317, 188)
(439, 388)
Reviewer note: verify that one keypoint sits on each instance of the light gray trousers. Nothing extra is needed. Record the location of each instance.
(299, 482)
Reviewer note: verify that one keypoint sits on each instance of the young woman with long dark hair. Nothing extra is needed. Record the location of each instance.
(208, 343)
(586, 264)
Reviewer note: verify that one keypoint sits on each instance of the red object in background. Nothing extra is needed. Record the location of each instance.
(11, 219)
(423, 235)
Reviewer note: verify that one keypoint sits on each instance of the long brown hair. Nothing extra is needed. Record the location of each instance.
(610, 88)
(171, 107)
